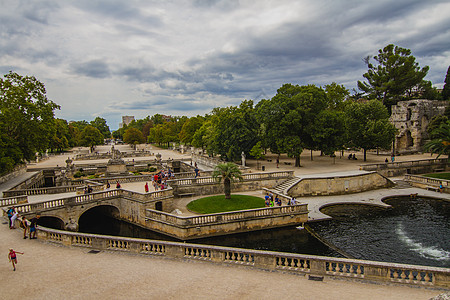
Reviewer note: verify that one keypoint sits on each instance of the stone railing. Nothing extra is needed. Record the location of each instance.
(99, 196)
(246, 177)
(410, 167)
(218, 218)
(427, 182)
(42, 191)
(206, 161)
(13, 201)
(362, 270)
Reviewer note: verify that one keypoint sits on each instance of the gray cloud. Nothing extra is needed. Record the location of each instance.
(177, 57)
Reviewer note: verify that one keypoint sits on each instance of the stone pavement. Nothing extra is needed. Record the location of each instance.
(47, 271)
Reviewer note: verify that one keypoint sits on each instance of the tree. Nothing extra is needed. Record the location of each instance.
(102, 126)
(155, 134)
(336, 95)
(396, 75)
(257, 152)
(329, 131)
(26, 117)
(90, 137)
(446, 88)
(228, 172)
(133, 137)
(234, 130)
(441, 140)
(368, 125)
(189, 128)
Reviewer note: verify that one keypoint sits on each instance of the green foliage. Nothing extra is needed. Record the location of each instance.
(396, 76)
(446, 89)
(91, 136)
(257, 151)
(235, 130)
(228, 172)
(26, 118)
(336, 95)
(78, 174)
(445, 176)
(440, 143)
(133, 136)
(101, 125)
(189, 128)
(218, 204)
(368, 125)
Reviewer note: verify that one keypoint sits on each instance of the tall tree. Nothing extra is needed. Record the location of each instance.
(440, 142)
(368, 126)
(228, 172)
(446, 89)
(90, 137)
(396, 74)
(102, 126)
(26, 115)
(133, 137)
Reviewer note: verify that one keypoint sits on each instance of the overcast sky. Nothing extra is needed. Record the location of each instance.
(130, 57)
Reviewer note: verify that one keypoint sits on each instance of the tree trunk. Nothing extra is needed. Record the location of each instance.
(227, 188)
(297, 160)
(365, 152)
(311, 154)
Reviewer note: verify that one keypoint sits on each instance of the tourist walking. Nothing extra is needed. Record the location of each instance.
(10, 213)
(12, 256)
(13, 219)
(33, 227)
(146, 187)
(24, 226)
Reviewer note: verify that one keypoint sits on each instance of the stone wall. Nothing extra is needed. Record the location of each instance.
(411, 118)
(339, 185)
(18, 170)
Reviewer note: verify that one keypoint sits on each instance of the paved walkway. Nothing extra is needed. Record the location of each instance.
(47, 271)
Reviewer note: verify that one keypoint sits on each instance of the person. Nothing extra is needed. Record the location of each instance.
(277, 200)
(441, 188)
(267, 200)
(10, 213)
(108, 186)
(13, 219)
(278, 161)
(392, 158)
(89, 189)
(146, 187)
(33, 226)
(350, 156)
(354, 157)
(271, 204)
(24, 226)
(197, 172)
(13, 257)
(118, 185)
(386, 160)
(293, 201)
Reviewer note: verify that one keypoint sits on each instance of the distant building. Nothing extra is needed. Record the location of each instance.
(126, 120)
(411, 119)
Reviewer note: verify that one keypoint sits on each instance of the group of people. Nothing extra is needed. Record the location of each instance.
(270, 201)
(159, 180)
(27, 226)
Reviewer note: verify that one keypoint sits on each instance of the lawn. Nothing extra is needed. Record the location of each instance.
(216, 204)
(438, 175)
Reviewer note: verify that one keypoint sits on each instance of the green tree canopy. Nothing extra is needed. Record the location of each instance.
(90, 137)
(441, 140)
(133, 136)
(446, 88)
(368, 125)
(189, 128)
(26, 117)
(102, 126)
(396, 75)
(228, 172)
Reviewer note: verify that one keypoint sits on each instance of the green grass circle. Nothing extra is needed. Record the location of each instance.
(217, 204)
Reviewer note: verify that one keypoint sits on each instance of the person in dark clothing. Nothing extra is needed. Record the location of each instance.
(33, 226)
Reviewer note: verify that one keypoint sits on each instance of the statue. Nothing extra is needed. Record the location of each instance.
(243, 158)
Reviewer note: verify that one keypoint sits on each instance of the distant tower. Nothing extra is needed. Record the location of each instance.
(126, 120)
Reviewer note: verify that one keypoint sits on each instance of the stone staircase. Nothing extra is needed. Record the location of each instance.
(283, 187)
(401, 184)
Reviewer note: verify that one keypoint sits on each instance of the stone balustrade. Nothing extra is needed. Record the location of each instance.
(218, 218)
(13, 201)
(427, 182)
(370, 271)
(42, 191)
(409, 167)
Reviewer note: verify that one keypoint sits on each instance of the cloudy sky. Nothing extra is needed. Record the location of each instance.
(111, 58)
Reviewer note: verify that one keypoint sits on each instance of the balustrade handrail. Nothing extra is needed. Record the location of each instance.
(225, 216)
(260, 259)
(413, 163)
(96, 196)
(427, 180)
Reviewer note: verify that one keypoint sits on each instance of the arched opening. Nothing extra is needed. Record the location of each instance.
(51, 222)
(159, 206)
(100, 219)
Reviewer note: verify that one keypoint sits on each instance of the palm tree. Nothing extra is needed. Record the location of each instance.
(229, 172)
(441, 140)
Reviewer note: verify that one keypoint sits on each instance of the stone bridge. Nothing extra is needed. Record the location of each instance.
(122, 204)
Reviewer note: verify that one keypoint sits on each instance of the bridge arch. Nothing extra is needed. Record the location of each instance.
(52, 222)
(97, 217)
